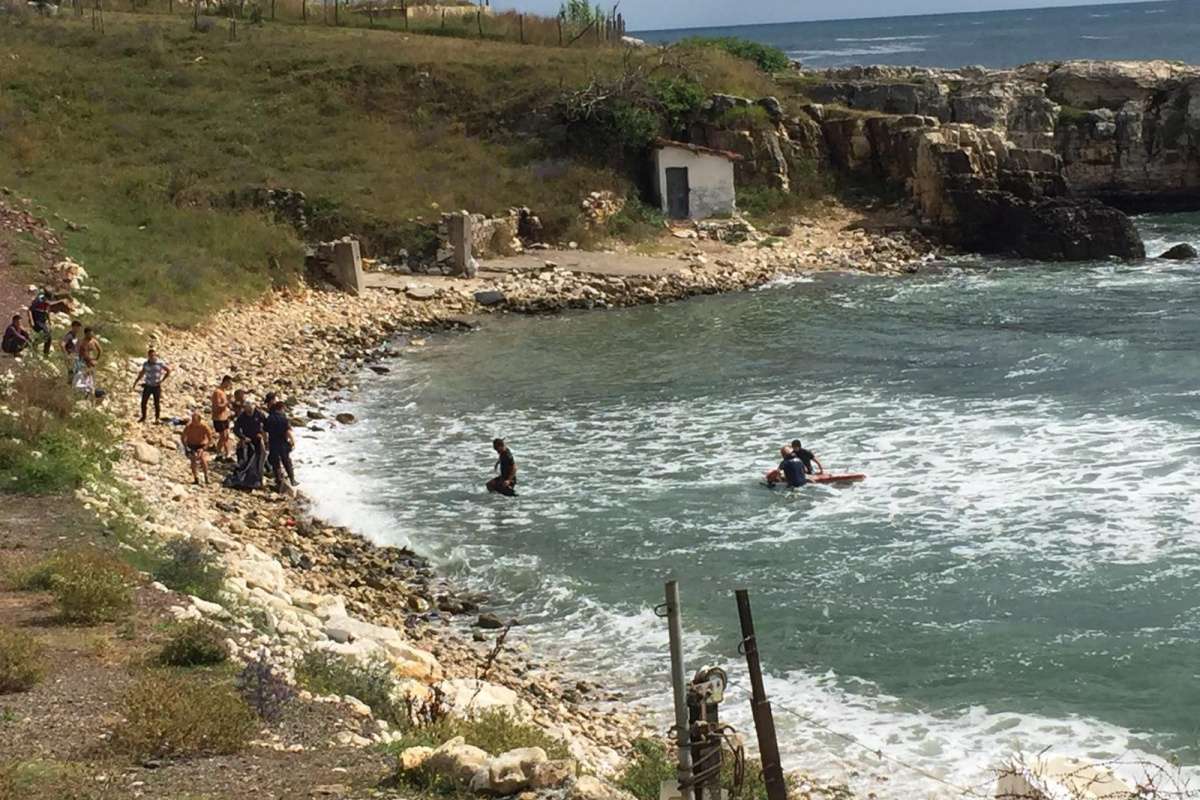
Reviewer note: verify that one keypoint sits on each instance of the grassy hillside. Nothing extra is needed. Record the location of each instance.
(140, 133)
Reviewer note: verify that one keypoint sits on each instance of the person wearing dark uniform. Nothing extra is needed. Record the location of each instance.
(505, 483)
(806, 457)
(39, 318)
(280, 444)
(792, 468)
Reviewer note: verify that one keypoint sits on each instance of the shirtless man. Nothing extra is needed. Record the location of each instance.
(221, 416)
(196, 438)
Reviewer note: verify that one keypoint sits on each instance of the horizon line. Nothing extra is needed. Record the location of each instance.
(908, 16)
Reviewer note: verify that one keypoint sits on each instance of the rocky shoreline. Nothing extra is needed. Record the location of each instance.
(305, 584)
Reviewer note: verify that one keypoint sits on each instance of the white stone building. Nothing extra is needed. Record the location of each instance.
(693, 182)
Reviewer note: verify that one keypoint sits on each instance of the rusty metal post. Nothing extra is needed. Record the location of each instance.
(764, 721)
(679, 688)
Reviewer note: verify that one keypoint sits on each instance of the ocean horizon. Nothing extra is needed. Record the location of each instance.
(1166, 29)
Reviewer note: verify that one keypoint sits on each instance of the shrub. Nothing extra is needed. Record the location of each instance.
(637, 220)
(37, 576)
(646, 769)
(195, 643)
(91, 587)
(264, 689)
(495, 730)
(765, 57)
(21, 661)
(45, 780)
(186, 566)
(170, 714)
(371, 681)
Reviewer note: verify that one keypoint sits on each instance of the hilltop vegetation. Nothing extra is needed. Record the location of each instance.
(142, 134)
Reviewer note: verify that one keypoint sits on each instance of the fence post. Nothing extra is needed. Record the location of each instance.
(304, 11)
(764, 722)
(679, 689)
(560, 31)
(522, 19)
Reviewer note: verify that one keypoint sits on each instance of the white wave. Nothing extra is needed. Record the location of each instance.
(884, 38)
(877, 50)
(1097, 38)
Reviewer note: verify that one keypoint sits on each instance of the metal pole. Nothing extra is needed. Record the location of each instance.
(764, 721)
(679, 686)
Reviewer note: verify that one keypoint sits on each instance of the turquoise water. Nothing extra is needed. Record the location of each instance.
(1166, 30)
(1018, 571)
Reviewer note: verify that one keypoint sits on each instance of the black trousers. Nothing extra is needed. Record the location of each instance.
(147, 393)
(281, 459)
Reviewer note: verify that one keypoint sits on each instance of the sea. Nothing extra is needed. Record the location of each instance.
(1167, 30)
(1017, 573)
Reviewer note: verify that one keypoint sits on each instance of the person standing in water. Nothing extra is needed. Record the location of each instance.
(505, 483)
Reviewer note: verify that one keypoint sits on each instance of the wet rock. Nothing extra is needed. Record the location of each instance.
(489, 621)
(379, 370)
(1181, 252)
(490, 297)
(346, 418)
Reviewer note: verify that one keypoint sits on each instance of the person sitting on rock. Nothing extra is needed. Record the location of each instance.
(15, 338)
(279, 446)
(806, 456)
(196, 438)
(505, 483)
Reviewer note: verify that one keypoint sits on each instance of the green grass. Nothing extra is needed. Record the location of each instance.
(50, 440)
(22, 661)
(142, 133)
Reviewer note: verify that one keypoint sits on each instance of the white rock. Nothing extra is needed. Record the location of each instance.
(457, 761)
(357, 706)
(466, 696)
(511, 772)
(209, 609)
(412, 662)
(414, 758)
(146, 453)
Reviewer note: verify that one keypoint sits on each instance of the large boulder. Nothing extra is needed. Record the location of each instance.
(510, 772)
(467, 696)
(1052, 229)
(1180, 252)
(457, 761)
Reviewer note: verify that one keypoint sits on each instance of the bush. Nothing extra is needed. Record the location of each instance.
(371, 682)
(170, 714)
(37, 576)
(764, 56)
(646, 769)
(194, 644)
(495, 731)
(91, 587)
(264, 689)
(46, 780)
(636, 221)
(21, 661)
(186, 566)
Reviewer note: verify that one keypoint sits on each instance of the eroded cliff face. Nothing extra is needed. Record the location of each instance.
(1126, 132)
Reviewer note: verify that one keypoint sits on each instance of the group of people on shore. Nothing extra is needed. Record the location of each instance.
(243, 435)
(80, 346)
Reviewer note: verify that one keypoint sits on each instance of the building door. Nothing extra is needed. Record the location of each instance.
(677, 193)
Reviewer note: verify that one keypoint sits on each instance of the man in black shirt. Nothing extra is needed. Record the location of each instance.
(506, 482)
(806, 456)
(249, 427)
(280, 444)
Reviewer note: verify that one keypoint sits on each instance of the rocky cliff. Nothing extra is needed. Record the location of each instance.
(1127, 133)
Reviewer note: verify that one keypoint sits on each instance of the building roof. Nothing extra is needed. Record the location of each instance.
(659, 144)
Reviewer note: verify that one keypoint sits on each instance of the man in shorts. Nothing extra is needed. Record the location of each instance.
(196, 438)
(222, 416)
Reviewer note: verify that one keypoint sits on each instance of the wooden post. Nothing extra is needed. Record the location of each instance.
(560, 31)
(522, 20)
(760, 707)
(404, 11)
(195, 15)
(272, 10)
(443, 19)
(336, 21)
(304, 11)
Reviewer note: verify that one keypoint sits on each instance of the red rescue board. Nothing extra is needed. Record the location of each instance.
(829, 477)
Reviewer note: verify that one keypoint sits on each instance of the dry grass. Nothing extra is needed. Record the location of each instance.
(22, 661)
(169, 714)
